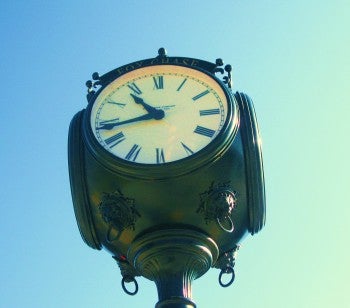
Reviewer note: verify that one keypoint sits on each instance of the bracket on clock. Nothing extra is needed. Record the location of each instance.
(228, 69)
(92, 85)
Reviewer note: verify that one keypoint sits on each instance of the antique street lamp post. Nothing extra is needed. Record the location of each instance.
(166, 172)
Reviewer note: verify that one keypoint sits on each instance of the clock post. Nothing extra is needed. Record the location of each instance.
(166, 172)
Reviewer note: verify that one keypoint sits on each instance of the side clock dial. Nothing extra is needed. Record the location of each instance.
(160, 114)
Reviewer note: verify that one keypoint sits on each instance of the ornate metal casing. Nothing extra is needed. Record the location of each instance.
(170, 223)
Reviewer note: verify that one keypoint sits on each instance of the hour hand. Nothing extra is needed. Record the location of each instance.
(156, 113)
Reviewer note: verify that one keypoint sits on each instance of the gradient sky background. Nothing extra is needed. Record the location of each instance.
(291, 57)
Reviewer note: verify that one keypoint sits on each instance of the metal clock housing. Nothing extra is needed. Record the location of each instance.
(160, 119)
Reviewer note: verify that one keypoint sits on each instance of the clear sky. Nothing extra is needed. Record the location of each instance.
(291, 57)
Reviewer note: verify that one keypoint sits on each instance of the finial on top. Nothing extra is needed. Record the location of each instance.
(162, 52)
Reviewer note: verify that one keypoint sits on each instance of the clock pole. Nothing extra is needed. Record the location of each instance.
(166, 172)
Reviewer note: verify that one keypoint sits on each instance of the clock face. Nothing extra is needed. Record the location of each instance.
(159, 114)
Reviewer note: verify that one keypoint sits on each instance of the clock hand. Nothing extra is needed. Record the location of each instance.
(147, 116)
(157, 113)
(109, 121)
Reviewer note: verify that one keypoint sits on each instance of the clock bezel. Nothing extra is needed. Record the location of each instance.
(204, 156)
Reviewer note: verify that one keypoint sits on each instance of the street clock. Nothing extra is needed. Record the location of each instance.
(166, 171)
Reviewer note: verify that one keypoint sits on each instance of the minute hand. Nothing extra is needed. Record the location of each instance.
(148, 116)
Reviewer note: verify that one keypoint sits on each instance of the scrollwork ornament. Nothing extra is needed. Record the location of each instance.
(118, 212)
(92, 85)
(228, 69)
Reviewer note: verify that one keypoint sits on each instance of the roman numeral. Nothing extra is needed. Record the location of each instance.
(134, 88)
(181, 85)
(209, 112)
(200, 95)
(187, 149)
(133, 153)
(158, 82)
(121, 105)
(204, 131)
(160, 156)
(115, 139)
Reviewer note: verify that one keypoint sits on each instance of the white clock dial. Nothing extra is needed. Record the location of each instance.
(159, 114)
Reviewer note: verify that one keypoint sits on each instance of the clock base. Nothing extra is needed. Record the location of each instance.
(173, 258)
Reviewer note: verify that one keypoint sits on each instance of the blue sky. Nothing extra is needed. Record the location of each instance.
(291, 57)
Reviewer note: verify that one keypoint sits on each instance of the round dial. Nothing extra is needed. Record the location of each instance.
(159, 114)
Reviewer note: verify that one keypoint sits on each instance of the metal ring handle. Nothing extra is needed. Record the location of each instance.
(132, 280)
(223, 228)
(227, 270)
